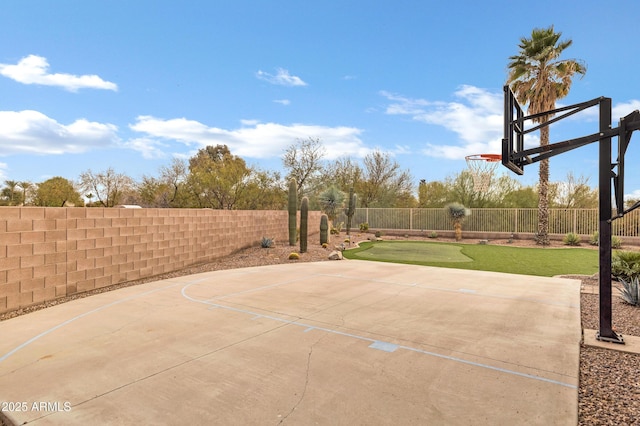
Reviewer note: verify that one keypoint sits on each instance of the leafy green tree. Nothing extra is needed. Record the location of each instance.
(432, 194)
(57, 192)
(217, 178)
(383, 183)
(167, 190)
(462, 191)
(573, 193)
(538, 77)
(524, 198)
(344, 173)
(264, 192)
(152, 192)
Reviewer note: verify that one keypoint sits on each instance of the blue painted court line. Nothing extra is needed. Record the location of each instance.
(384, 346)
(69, 321)
(470, 292)
(375, 344)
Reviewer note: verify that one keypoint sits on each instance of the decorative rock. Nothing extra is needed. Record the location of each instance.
(335, 255)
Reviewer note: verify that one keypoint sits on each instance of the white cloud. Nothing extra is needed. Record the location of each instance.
(282, 101)
(31, 132)
(476, 118)
(35, 70)
(624, 109)
(149, 148)
(282, 78)
(261, 140)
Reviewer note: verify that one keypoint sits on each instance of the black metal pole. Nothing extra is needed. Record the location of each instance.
(606, 332)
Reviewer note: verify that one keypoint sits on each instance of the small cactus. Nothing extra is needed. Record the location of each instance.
(304, 218)
(294, 256)
(324, 229)
(293, 204)
(266, 242)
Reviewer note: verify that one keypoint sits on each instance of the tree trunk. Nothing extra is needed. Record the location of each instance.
(542, 237)
(458, 230)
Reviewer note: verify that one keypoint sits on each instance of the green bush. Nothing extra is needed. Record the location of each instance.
(364, 227)
(616, 242)
(625, 265)
(378, 234)
(433, 234)
(571, 239)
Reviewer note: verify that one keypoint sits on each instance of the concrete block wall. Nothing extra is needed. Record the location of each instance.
(49, 252)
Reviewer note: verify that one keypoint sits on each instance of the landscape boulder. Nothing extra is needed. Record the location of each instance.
(335, 255)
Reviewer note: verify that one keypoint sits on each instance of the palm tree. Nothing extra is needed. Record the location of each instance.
(25, 185)
(538, 77)
(10, 190)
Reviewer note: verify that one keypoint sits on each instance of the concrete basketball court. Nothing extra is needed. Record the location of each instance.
(340, 343)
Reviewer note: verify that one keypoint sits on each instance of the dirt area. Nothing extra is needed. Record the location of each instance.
(609, 392)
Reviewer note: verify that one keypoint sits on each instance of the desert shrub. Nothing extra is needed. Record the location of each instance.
(630, 291)
(364, 227)
(616, 242)
(457, 213)
(266, 242)
(571, 239)
(625, 265)
(378, 234)
(433, 234)
(335, 230)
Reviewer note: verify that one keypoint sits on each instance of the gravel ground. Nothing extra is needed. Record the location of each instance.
(609, 392)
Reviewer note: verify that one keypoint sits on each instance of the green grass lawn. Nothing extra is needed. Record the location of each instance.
(544, 262)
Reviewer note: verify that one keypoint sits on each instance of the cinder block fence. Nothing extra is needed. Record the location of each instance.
(47, 253)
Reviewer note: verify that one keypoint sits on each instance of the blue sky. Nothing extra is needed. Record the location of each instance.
(131, 84)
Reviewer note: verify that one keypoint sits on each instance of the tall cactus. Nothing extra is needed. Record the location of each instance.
(293, 204)
(350, 211)
(304, 218)
(324, 229)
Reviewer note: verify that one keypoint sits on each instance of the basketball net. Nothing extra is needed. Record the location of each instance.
(481, 167)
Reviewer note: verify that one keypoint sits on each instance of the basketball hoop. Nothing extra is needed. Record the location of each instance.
(482, 167)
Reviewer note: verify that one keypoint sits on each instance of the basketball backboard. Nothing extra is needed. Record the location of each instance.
(625, 130)
(513, 141)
